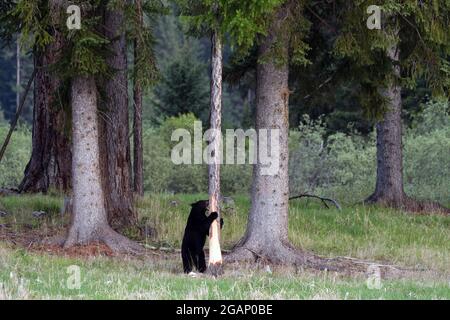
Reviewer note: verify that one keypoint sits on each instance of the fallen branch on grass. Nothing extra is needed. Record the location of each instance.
(8, 192)
(324, 200)
(376, 264)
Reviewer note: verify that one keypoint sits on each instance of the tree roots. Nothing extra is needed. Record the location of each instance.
(409, 204)
(287, 255)
(116, 242)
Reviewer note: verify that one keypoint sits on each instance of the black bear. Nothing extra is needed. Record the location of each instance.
(194, 239)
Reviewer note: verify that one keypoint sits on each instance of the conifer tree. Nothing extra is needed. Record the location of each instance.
(83, 65)
(49, 165)
(277, 28)
(413, 43)
(138, 150)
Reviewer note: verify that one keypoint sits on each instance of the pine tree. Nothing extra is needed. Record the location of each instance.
(51, 156)
(183, 87)
(114, 123)
(269, 25)
(138, 150)
(413, 43)
(85, 65)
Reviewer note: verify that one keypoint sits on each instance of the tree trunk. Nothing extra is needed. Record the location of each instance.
(389, 185)
(138, 159)
(51, 157)
(18, 67)
(389, 189)
(215, 253)
(115, 152)
(89, 217)
(267, 230)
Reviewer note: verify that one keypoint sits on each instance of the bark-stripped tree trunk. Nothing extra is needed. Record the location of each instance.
(89, 217)
(215, 253)
(115, 152)
(51, 157)
(138, 158)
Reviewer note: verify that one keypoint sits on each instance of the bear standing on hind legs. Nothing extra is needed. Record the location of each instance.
(197, 229)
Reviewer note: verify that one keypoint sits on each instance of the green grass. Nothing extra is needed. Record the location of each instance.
(370, 233)
(20, 212)
(30, 276)
(362, 232)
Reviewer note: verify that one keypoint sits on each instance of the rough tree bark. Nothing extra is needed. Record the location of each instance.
(267, 230)
(215, 253)
(389, 189)
(389, 185)
(49, 166)
(138, 157)
(89, 217)
(114, 132)
(266, 237)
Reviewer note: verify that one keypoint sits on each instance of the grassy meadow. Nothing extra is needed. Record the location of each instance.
(419, 244)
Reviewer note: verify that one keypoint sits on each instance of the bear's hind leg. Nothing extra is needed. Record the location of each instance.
(187, 261)
(201, 262)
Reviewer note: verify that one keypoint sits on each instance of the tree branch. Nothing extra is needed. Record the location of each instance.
(324, 200)
(19, 111)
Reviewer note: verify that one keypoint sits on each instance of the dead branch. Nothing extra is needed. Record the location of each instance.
(324, 200)
(18, 112)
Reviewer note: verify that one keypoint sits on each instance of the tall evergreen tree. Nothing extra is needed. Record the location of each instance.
(270, 25)
(183, 87)
(88, 62)
(138, 150)
(267, 230)
(85, 63)
(412, 43)
(49, 166)
(114, 123)
(51, 156)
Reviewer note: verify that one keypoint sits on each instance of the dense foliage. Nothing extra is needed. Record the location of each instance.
(339, 165)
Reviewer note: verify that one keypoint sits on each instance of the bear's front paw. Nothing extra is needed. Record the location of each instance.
(214, 215)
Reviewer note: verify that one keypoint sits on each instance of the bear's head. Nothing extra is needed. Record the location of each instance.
(200, 206)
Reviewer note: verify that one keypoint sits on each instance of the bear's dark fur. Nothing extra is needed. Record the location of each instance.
(197, 229)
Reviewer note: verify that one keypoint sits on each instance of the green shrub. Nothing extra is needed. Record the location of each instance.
(427, 154)
(161, 175)
(341, 165)
(16, 156)
(157, 164)
(338, 165)
(344, 166)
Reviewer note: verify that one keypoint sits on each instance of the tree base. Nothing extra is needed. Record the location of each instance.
(215, 269)
(283, 254)
(408, 204)
(115, 241)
